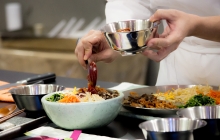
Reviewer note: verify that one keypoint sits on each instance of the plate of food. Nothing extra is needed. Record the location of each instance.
(165, 101)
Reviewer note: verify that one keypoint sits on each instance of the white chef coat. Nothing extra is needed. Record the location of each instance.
(195, 61)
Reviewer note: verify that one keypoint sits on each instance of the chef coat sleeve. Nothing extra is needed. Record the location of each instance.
(119, 10)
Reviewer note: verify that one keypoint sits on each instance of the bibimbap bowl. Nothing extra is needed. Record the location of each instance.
(82, 115)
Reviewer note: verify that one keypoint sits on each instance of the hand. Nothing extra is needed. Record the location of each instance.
(178, 27)
(94, 47)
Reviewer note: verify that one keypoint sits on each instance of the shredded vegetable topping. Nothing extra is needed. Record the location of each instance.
(55, 97)
(199, 100)
(69, 98)
(181, 98)
(88, 97)
(215, 95)
(82, 95)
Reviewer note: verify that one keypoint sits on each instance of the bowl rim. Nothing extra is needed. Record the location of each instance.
(184, 118)
(148, 20)
(129, 20)
(195, 107)
(143, 30)
(23, 86)
(43, 100)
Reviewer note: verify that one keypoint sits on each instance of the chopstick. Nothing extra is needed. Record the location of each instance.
(11, 115)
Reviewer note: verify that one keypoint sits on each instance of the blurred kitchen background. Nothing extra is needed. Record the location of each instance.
(39, 36)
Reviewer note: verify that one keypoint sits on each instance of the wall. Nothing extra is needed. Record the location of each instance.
(50, 12)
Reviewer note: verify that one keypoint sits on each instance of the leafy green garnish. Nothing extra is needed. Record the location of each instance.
(55, 97)
(199, 100)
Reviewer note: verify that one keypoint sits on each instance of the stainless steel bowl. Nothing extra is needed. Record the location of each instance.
(170, 128)
(29, 97)
(132, 41)
(211, 114)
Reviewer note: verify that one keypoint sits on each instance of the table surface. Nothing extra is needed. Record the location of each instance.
(122, 127)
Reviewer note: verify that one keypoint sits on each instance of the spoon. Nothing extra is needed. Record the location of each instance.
(4, 111)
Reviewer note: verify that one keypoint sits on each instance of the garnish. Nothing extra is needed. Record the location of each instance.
(199, 100)
(55, 97)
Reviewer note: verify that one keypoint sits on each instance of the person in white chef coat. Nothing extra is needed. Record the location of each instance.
(189, 46)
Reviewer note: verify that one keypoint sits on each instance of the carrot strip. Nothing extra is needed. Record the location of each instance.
(215, 95)
(69, 99)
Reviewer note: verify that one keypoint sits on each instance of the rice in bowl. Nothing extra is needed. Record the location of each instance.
(82, 95)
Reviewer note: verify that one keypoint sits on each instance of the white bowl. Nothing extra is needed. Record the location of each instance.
(84, 115)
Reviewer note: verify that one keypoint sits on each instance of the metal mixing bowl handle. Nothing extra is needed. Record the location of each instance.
(156, 24)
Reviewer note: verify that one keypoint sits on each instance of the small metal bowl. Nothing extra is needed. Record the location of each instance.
(29, 97)
(211, 114)
(133, 40)
(170, 128)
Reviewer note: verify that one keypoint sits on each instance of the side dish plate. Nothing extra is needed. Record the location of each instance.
(154, 111)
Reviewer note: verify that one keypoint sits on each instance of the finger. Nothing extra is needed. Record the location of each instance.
(171, 39)
(162, 14)
(79, 51)
(151, 54)
(107, 56)
(91, 32)
(86, 47)
(93, 40)
(165, 33)
(158, 43)
(162, 52)
(156, 55)
(83, 47)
